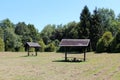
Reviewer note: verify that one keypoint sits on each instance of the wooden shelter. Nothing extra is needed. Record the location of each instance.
(73, 43)
(32, 45)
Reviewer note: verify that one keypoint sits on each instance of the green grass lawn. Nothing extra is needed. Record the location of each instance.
(49, 66)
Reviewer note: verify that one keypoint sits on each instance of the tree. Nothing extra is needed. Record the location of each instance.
(71, 30)
(84, 25)
(11, 40)
(46, 33)
(118, 17)
(6, 23)
(107, 16)
(23, 31)
(115, 26)
(60, 32)
(96, 29)
(9, 37)
(33, 32)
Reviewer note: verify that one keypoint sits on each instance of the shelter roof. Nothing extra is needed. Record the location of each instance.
(33, 44)
(74, 42)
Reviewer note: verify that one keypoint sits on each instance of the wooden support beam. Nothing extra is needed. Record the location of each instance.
(65, 53)
(84, 54)
(28, 51)
(36, 51)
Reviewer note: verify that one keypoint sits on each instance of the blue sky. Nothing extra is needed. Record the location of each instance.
(43, 12)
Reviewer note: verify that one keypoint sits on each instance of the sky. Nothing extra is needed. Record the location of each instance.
(43, 12)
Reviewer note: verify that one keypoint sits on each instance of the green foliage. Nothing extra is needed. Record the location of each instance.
(6, 23)
(21, 29)
(1, 33)
(71, 30)
(115, 44)
(42, 48)
(115, 25)
(95, 29)
(1, 45)
(104, 42)
(50, 47)
(56, 44)
(31, 49)
(60, 32)
(100, 46)
(84, 26)
(47, 33)
(33, 32)
(21, 49)
(107, 16)
(11, 40)
(118, 17)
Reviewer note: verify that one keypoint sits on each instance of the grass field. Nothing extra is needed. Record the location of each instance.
(49, 66)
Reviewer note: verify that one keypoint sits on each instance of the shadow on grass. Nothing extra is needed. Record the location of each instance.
(68, 61)
(29, 56)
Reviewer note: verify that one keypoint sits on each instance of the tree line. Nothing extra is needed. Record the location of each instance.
(102, 27)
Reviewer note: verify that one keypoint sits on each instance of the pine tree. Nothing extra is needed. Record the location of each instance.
(84, 23)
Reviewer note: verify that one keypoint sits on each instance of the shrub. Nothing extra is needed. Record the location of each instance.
(104, 42)
(42, 44)
(50, 47)
(21, 49)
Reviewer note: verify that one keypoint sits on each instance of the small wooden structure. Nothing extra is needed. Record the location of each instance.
(29, 45)
(74, 42)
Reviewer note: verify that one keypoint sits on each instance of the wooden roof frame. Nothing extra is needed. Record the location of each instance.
(74, 42)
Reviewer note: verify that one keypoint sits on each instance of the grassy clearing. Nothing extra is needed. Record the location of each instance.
(47, 66)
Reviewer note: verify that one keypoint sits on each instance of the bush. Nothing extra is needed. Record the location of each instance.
(104, 42)
(50, 47)
(31, 49)
(56, 43)
(21, 49)
(100, 46)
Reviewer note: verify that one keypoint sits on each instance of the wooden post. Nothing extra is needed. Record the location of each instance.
(28, 50)
(36, 51)
(65, 53)
(84, 54)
